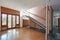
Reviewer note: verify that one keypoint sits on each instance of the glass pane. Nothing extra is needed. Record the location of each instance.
(17, 21)
(13, 21)
(9, 21)
(4, 19)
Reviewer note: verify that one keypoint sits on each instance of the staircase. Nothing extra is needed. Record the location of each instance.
(42, 28)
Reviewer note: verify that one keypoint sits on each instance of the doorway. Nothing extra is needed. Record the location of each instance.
(9, 21)
(4, 21)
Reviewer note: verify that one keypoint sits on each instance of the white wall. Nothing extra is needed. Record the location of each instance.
(22, 13)
(21, 20)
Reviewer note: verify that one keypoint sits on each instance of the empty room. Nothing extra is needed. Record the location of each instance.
(28, 19)
(22, 19)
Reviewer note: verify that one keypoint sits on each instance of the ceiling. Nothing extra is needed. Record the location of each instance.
(27, 4)
(22, 4)
(55, 4)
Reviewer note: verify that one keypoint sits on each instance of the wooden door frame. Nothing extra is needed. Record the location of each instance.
(11, 12)
(59, 25)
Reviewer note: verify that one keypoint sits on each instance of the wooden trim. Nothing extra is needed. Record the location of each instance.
(0, 18)
(9, 11)
(1, 21)
(7, 21)
(15, 21)
(11, 21)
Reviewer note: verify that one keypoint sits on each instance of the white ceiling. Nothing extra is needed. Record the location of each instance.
(27, 4)
(55, 4)
(22, 4)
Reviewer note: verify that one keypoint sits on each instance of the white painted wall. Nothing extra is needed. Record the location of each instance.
(21, 20)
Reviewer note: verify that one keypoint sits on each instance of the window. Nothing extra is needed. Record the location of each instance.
(4, 17)
(9, 21)
(17, 19)
(13, 20)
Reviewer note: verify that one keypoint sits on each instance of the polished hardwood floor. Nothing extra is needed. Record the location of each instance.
(21, 34)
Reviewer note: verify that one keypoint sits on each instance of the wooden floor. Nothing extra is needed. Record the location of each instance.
(21, 34)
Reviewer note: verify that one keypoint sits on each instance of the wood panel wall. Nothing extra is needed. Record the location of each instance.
(9, 11)
(25, 23)
(49, 19)
(0, 18)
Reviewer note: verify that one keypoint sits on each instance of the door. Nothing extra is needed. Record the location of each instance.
(17, 21)
(59, 25)
(9, 21)
(13, 21)
(4, 22)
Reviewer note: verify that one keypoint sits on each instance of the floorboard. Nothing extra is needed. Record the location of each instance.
(21, 34)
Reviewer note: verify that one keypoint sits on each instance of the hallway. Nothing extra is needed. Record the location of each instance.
(22, 34)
